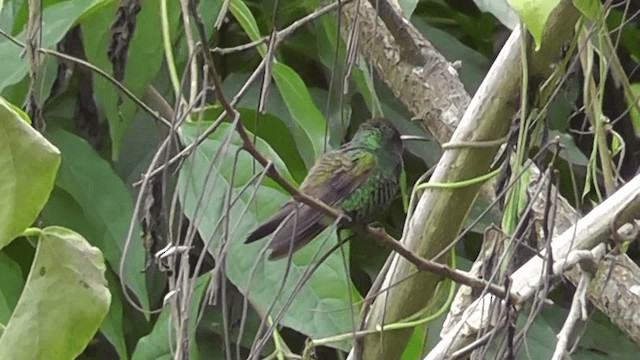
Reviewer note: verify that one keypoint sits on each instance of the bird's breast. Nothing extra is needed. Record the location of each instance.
(372, 197)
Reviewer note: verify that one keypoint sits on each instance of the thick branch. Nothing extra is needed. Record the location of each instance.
(432, 92)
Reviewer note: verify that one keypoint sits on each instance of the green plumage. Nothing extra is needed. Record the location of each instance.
(360, 178)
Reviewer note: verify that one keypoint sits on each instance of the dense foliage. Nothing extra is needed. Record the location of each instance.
(122, 226)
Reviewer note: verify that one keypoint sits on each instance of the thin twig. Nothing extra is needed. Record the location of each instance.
(384, 239)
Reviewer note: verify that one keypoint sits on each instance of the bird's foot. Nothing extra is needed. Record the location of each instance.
(343, 221)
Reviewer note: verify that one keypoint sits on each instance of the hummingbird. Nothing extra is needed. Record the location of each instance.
(360, 178)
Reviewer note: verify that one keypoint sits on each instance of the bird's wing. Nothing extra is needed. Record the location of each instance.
(337, 174)
(334, 177)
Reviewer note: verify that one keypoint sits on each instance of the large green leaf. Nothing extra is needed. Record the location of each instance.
(270, 128)
(28, 165)
(63, 210)
(322, 307)
(7, 15)
(145, 57)
(58, 18)
(107, 205)
(64, 301)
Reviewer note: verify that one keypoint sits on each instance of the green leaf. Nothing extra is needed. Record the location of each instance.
(635, 116)
(600, 339)
(208, 10)
(12, 282)
(47, 76)
(570, 151)
(157, 345)
(589, 8)
(275, 106)
(534, 15)
(212, 324)
(271, 129)
(540, 341)
(64, 301)
(337, 111)
(322, 307)
(7, 15)
(501, 10)
(408, 7)
(112, 327)
(244, 16)
(629, 34)
(413, 350)
(17, 111)
(302, 108)
(28, 165)
(145, 57)
(329, 43)
(58, 17)
(62, 209)
(475, 66)
(107, 205)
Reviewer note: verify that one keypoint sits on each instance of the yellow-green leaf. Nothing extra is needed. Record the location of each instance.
(28, 166)
(64, 301)
(534, 14)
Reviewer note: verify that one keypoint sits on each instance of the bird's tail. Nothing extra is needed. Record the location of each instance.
(271, 224)
(300, 224)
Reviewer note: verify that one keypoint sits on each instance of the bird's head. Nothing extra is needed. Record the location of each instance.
(379, 133)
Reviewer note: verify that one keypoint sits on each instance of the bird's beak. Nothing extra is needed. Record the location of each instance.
(414, 137)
